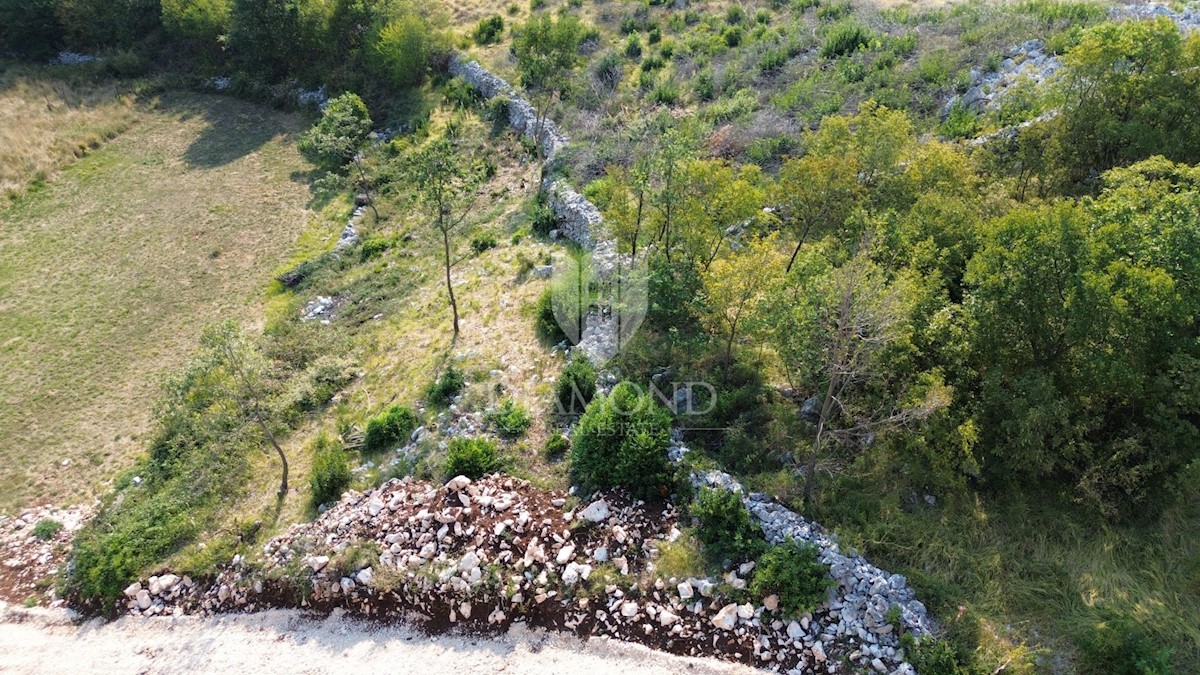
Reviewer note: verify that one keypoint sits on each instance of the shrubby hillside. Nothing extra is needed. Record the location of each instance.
(937, 265)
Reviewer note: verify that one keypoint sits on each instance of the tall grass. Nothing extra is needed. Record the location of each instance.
(46, 122)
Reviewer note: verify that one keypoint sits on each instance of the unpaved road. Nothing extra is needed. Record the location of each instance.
(45, 641)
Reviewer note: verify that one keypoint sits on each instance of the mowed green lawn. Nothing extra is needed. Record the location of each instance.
(109, 273)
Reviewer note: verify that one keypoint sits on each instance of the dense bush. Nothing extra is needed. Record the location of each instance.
(576, 387)
(471, 457)
(556, 446)
(792, 572)
(621, 440)
(725, 527)
(389, 429)
(330, 470)
(509, 419)
(541, 216)
(489, 30)
(845, 38)
(546, 326)
(448, 385)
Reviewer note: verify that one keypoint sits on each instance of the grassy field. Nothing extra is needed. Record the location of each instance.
(109, 271)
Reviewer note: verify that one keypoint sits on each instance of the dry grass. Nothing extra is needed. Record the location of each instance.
(45, 122)
(108, 274)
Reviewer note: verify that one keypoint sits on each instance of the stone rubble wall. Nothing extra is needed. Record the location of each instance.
(578, 218)
(865, 592)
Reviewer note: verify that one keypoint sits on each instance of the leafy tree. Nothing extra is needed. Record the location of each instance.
(717, 199)
(735, 284)
(30, 27)
(275, 39)
(197, 23)
(547, 53)
(815, 195)
(1131, 89)
(244, 379)
(676, 143)
(404, 47)
(446, 187)
(338, 138)
(831, 327)
(94, 26)
(1086, 339)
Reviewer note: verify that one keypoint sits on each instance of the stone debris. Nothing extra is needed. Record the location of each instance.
(481, 554)
(27, 561)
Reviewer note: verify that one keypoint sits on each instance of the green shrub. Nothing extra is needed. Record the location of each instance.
(1117, 644)
(633, 47)
(541, 216)
(46, 528)
(497, 110)
(330, 470)
(471, 457)
(482, 242)
(792, 572)
(608, 70)
(576, 387)
(666, 93)
(725, 527)
(489, 30)
(735, 15)
(557, 446)
(459, 93)
(652, 63)
(510, 419)
(334, 140)
(389, 429)
(934, 657)
(772, 60)
(446, 387)
(961, 123)
(374, 246)
(546, 325)
(622, 441)
(845, 38)
(30, 27)
(733, 36)
(654, 36)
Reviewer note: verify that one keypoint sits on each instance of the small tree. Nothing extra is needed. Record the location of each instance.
(243, 377)
(815, 195)
(831, 329)
(338, 139)
(447, 188)
(547, 53)
(735, 284)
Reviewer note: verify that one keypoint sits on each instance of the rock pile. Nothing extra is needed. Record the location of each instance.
(484, 554)
(29, 560)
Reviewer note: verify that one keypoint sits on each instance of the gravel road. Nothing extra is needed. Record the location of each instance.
(47, 641)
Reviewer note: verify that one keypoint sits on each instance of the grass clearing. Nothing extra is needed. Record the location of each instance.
(109, 272)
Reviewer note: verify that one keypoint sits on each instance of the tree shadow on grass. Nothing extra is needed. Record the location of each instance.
(235, 128)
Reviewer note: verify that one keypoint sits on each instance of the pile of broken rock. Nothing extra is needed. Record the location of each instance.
(480, 555)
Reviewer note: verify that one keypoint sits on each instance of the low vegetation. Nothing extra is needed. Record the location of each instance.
(621, 440)
(471, 457)
(792, 572)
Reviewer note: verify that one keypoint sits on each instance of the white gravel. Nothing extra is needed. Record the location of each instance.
(46, 641)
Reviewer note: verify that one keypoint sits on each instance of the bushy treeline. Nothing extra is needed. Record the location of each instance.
(926, 307)
(342, 43)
